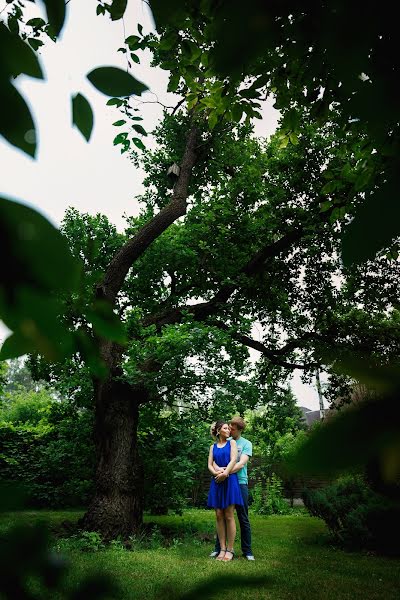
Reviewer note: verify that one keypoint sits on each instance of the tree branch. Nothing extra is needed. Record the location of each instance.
(205, 309)
(272, 355)
(136, 246)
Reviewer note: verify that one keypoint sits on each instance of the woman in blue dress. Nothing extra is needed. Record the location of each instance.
(224, 489)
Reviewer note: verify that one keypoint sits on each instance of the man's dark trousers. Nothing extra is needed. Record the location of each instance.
(243, 517)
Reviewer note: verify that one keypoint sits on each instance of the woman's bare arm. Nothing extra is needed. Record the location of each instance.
(210, 461)
(232, 462)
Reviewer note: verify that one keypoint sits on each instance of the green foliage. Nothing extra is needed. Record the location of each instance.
(29, 408)
(174, 450)
(268, 497)
(268, 46)
(82, 115)
(47, 445)
(16, 121)
(356, 516)
(274, 426)
(112, 81)
(28, 305)
(367, 436)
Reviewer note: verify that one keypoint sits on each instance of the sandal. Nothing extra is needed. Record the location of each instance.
(225, 559)
(220, 555)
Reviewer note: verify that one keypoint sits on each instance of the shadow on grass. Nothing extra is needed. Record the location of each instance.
(227, 583)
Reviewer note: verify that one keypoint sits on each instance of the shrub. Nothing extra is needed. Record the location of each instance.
(356, 516)
(53, 458)
(268, 499)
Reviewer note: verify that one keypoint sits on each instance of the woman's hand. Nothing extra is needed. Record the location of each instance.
(221, 475)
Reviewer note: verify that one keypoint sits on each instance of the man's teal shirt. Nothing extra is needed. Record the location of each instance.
(244, 447)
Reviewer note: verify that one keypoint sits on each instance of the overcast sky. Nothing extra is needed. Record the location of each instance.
(92, 177)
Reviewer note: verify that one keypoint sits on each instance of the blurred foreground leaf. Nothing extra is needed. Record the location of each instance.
(82, 115)
(39, 265)
(105, 322)
(17, 57)
(55, 10)
(375, 225)
(352, 437)
(117, 9)
(16, 123)
(115, 82)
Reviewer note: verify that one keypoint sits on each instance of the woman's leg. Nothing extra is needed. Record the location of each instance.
(230, 528)
(219, 515)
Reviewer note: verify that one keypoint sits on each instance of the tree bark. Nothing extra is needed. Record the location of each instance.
(117, 506)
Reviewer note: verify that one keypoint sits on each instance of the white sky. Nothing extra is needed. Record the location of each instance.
(92, 177)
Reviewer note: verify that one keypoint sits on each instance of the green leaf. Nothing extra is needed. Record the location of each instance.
(139, 144)
(117, 9)
(39, 266)
(16, 123)
(284, 141)
(36, 23)
(120, 138)
(115, 82)
(237, 112)
(119, 123)
(212, 119)
(166, 13)
(82, 115)
(30, 241)
(17, 57)
(293, 139)
(291, 120)
(100, 10)
(140, 28)
(55, 10)
(105, 322)
(16, 345)
(351, 438)
(139, 129)
(327, 205)
(132, 40)
(135, 58)
(375, 224)
(329, 187)
(115, 102)
(35, 43)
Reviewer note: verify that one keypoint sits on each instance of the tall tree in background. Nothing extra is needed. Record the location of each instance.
(244, 234)
(253, 247)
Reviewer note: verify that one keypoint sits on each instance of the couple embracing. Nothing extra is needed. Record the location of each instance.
(227, 462)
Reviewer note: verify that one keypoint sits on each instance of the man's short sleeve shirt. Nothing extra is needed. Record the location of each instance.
(244, 447)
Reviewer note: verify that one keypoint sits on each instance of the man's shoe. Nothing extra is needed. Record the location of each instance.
(214, 554)
(249, 557)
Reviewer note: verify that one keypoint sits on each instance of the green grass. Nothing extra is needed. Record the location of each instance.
(293, 555)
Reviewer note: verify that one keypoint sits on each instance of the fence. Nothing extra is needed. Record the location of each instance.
(292, 486)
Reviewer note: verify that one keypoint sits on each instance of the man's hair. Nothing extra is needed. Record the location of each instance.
(241, 424)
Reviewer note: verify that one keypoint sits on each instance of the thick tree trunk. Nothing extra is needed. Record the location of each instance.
(117, 506)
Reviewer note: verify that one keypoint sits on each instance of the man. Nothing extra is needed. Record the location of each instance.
(245, 450)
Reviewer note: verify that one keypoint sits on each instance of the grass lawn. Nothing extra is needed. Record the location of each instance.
(293, 560)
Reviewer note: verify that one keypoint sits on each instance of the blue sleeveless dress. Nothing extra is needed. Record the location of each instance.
(228, 492)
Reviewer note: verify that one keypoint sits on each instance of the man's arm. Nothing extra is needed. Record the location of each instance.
(217, 468)
(239, 465)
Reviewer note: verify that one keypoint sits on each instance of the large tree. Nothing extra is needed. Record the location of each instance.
(246, 233)
(254, 246)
